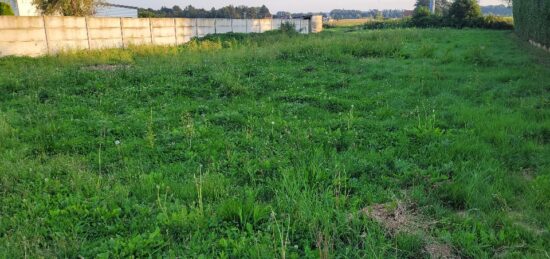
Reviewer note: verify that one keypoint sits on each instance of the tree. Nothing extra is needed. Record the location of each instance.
(264, 12)
(146, 13)
(67, 7)
(465, 10)
(192, 12)
(422, 17)
(421, 12)
(283, 15)
(5, 9)
(441, 6)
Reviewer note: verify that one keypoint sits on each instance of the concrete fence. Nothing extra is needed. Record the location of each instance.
(41, 35)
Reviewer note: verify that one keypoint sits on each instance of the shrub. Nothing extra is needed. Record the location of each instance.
(497, 23)
(421, 12)
(464, 13)
(532, 20)
(288, 27)
(423, 18)
(5, 9)
(428, 21)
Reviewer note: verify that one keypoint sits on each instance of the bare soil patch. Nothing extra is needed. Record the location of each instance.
(394, 217)
(399, 217)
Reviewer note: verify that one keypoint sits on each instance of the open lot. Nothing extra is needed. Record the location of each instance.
(390, 143)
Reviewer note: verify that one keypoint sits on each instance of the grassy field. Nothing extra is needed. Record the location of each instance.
(387, 143)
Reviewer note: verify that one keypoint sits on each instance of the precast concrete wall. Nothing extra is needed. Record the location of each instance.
(40, 35)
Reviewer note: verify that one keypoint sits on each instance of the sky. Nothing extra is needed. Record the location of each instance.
(285, 5)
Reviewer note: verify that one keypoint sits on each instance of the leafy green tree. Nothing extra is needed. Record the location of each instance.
(67, 7)
(421, 12)
(464, 12)
(284, 15)
(532, 20)
(264, 12)
(5, 9)
(146, 13)
(189, 11)
(422, 17)
(441, 6)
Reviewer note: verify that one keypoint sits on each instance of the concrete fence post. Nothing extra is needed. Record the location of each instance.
(175, 31)
(121, 33)
(232, 30)
(151, 30)
(215, 26)
(196, 27)
(88, 33)
(46, 33)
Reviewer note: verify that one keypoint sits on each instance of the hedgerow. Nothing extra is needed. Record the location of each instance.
(532, 20)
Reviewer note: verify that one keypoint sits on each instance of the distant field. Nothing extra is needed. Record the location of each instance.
(346, 144)
(348, 22)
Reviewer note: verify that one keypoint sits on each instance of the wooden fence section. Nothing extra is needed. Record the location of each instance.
(40, 35)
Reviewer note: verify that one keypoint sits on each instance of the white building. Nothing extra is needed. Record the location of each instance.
(26, 8)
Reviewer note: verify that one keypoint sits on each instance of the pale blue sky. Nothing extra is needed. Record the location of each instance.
(286, 5)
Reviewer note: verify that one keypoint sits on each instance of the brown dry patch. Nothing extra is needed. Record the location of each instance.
(105, 67)
(398, 217)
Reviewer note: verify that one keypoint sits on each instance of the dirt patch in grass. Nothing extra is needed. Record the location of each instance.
(395, 217)
(398, 217)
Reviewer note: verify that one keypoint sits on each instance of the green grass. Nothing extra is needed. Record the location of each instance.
(270, 145)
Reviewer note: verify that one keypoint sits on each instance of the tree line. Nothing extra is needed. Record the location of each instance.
(458, 13)
(355, 14)
(240, 12)
(87, 7)
(236, 12)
